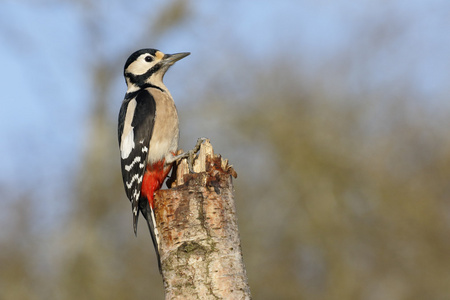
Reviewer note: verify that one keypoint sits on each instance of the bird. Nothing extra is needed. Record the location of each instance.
(148, 133)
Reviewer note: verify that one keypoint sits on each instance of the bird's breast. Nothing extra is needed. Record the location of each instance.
(165, 129)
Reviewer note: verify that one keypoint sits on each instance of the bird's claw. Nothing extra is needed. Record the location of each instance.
(190, 155)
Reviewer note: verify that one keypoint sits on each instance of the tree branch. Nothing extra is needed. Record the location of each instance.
(199, 240)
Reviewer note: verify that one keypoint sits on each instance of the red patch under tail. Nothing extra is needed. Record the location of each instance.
(154, 177)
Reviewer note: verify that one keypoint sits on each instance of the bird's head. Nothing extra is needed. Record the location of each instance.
(148, 66)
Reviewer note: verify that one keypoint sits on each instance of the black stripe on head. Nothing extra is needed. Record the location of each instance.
(140, 80)
(138, 53)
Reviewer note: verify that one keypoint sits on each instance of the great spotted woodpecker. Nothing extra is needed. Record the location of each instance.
(148, 132)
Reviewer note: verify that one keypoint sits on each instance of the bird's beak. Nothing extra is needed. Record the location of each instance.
(170, 59)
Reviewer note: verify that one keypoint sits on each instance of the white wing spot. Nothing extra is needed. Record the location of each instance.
(134, 178)
(136, 160)
(136, 194)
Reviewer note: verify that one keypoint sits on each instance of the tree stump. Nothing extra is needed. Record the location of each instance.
(200, 248)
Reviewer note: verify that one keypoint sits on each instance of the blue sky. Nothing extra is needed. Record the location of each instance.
(45, 52)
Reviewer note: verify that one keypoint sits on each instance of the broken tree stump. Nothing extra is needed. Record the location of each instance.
(199, 240)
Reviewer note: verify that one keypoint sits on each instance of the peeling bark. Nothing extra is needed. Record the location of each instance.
(199, 240)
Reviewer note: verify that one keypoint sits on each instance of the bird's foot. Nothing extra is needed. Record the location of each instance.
(190, 155)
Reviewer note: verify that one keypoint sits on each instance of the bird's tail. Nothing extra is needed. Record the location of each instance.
(149, 215)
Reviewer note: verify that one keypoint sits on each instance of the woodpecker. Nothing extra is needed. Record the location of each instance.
(148, 132)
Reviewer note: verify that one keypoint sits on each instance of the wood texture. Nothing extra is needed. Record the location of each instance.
(200, 246)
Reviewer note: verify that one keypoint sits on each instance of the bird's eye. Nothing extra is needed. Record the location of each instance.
(148, 58)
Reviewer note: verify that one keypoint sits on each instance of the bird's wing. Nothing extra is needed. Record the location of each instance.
(136, 119)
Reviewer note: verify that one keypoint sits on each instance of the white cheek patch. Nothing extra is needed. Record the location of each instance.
(127, 144)
(140, 66)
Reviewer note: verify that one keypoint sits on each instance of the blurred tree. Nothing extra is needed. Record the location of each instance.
(354, 203)
(342, 191)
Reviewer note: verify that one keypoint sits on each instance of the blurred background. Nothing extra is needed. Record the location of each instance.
(335, 115)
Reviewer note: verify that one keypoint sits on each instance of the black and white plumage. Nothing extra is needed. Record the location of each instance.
(136, 120)
(148, 131)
